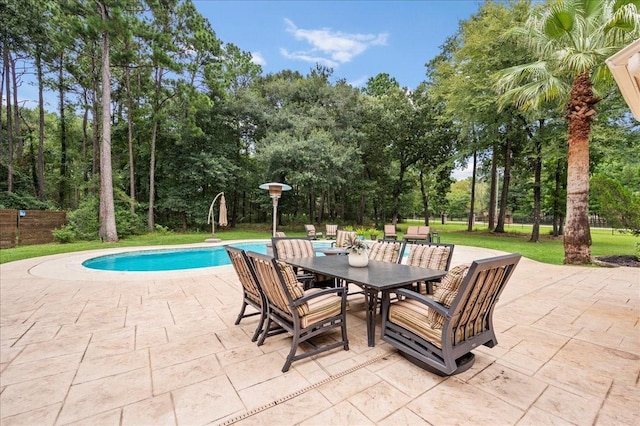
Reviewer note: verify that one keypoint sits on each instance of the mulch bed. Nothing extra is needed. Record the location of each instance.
(620, 260)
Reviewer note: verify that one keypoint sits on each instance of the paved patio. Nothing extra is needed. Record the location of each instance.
(102, 348)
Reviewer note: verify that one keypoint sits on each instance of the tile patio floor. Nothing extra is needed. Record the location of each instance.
(100, 348)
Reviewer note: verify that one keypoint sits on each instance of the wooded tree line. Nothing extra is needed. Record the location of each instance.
(154, 107)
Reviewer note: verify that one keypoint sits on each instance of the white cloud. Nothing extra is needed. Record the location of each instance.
(359, 82)
(258, 59)
(462, 174)
(305, 56)
(330, 47)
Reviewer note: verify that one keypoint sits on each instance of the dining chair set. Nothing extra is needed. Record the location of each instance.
(427, 322)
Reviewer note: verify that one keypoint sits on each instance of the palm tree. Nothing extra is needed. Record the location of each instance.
(571, 40)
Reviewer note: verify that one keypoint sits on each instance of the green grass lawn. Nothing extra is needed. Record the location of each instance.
(548, 250)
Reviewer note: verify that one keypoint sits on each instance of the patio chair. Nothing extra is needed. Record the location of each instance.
(386, 251)
(390, 232)
(417, 233)
(303, 313)
(292, 247)
(280, 234)
(439, 334)
(428, 255)
(342, 238)
(312, 234)
(330, 231)
(251, 293)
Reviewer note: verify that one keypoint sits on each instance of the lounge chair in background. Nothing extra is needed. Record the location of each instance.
(330, 232)
(390, 232)
(312, 234)
(417, 233)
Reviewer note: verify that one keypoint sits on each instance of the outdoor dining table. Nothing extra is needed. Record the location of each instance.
(375, 277)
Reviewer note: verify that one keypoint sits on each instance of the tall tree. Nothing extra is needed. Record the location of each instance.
(107, 214)
(571, 40)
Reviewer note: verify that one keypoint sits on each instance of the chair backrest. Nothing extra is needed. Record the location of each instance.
(246, 273)
(390, 231)
(412, 230)
(280, 234)
(471, 305)
(429, 255)
(311, 230)
(418, 230)
(279, 283)
(292, 247)
(343, 237)
(331, 230)
(385, 251)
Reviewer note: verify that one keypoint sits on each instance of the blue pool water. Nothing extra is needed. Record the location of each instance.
(170, 259)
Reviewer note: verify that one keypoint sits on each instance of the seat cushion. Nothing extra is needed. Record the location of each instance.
(446, 292)
(319, 308)
(414, 316)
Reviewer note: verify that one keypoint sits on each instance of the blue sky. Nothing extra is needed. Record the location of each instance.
(358, 39)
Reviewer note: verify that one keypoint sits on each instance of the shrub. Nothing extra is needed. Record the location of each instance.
(64, 235)
(84, 220)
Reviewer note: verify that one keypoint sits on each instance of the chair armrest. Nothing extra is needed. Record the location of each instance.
(410, 294)
(341, 291)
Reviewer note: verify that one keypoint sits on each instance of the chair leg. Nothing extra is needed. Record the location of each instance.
(259, 329)
(345, 339)
(292, 354)
(241, 314)
(265, 332)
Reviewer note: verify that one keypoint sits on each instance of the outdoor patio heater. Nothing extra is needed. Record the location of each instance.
(275, 191)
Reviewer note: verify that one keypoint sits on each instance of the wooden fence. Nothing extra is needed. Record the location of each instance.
(27, 227)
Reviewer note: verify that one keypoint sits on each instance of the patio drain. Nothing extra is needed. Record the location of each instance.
(301, 391)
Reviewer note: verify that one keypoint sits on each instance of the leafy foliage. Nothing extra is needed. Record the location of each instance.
(615, 203)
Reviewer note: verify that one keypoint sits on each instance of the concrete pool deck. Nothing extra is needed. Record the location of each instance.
(105, 348)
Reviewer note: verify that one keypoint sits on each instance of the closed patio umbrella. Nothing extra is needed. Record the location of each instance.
(222, 217)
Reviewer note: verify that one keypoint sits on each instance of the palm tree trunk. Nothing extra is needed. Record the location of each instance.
(577, 234)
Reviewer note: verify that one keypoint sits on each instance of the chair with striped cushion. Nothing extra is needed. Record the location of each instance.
(251, 293)
(428, 255)
(303, 313)
(292, 247)
(386, 251)
(439, 334)
(342, 238)
(330, 231)
(312, 234)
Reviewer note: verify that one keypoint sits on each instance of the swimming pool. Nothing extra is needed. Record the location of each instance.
(172, 259)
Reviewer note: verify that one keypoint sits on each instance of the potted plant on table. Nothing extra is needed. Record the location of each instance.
(358, 255)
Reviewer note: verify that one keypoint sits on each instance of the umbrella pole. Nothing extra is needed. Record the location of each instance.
(211, 218)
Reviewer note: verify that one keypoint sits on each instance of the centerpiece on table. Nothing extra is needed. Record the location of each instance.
(358, 255)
